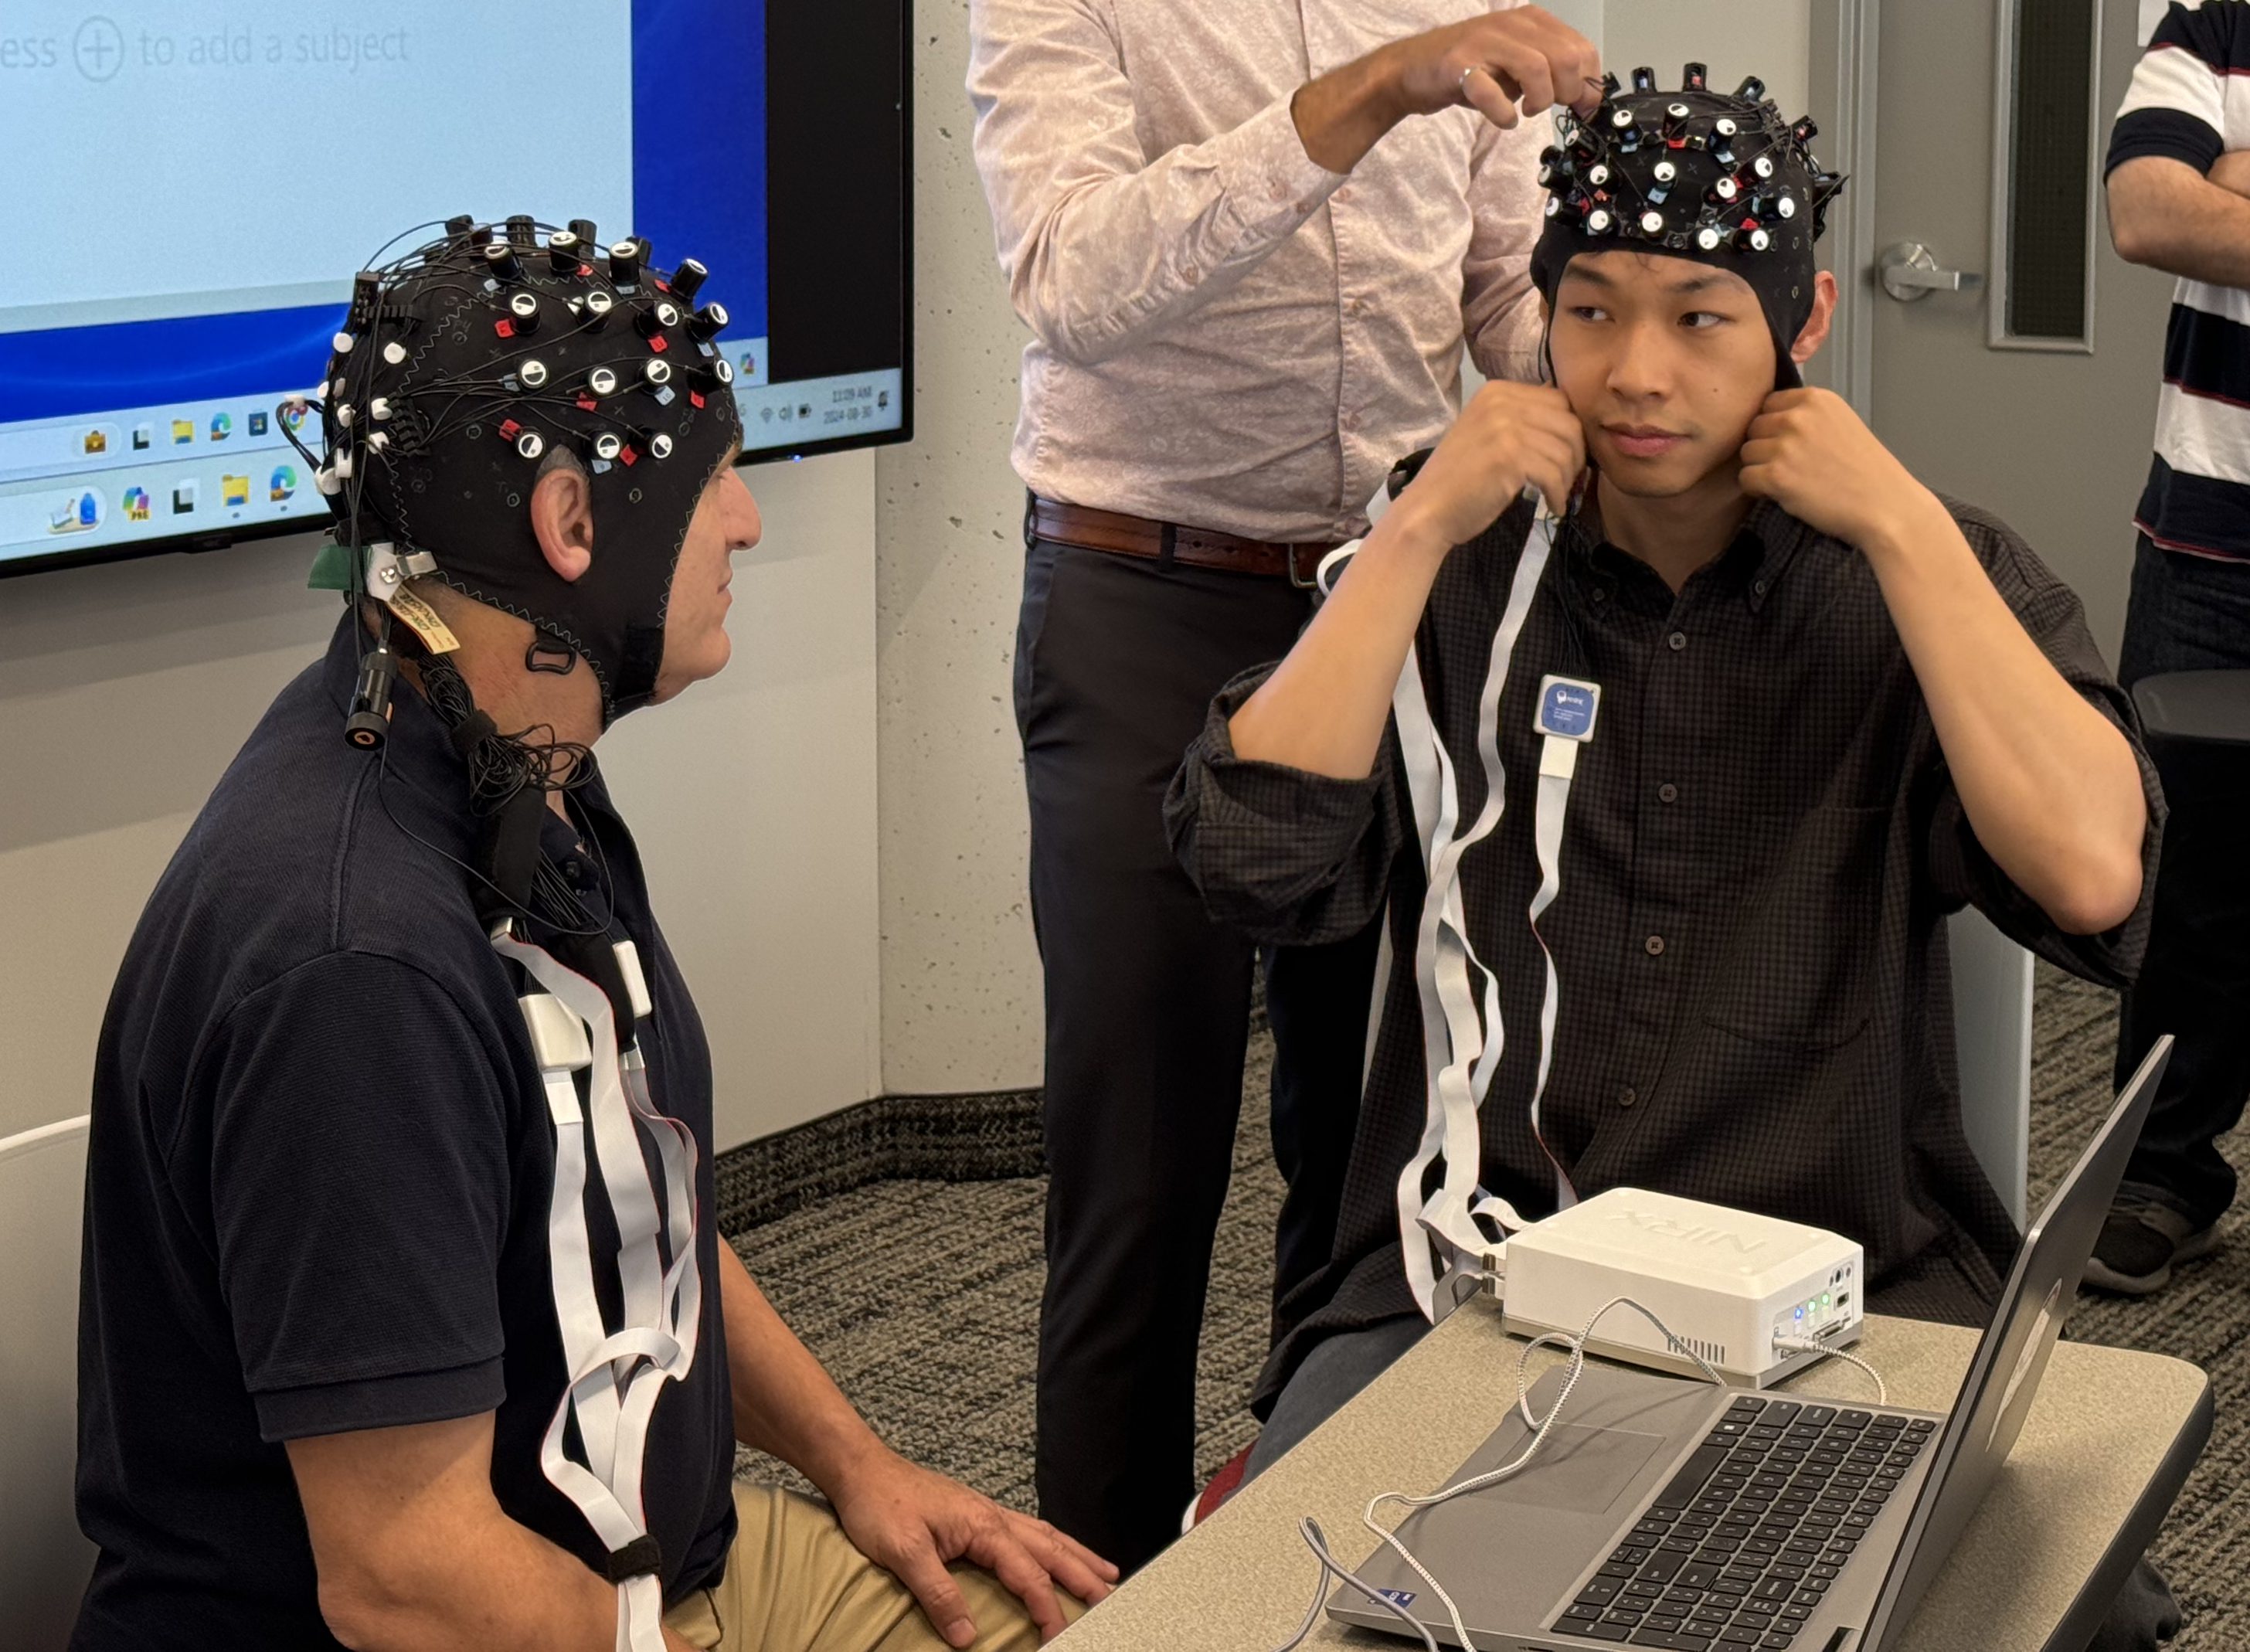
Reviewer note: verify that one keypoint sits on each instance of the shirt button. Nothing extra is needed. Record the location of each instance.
(1667, 793)
(1654, 946)
(1278, 191)
(1600, 595)
(1190, 273)
(1342, 197)
(1627, 1095)
(1758, 585)
(1678, 640)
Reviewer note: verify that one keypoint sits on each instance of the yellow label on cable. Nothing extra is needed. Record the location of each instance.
(423, 620)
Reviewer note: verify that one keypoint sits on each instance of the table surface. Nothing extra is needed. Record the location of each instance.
(2096, 1438)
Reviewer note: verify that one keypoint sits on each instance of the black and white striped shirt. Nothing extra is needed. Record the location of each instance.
(2190, 100)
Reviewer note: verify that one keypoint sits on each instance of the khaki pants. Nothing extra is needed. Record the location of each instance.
(794, 1583)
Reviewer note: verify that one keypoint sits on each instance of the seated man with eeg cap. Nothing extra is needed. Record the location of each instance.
(1814, 708)
(406, 1323)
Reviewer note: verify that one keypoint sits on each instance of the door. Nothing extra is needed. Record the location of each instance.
(2031, 388)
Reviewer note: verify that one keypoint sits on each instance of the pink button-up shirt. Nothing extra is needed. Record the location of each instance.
(1225, 334)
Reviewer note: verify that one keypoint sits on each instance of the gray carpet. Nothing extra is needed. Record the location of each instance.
(921, 1297)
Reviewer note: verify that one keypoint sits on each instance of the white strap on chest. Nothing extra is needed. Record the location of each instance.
(1463, 1035)
(614, 1378)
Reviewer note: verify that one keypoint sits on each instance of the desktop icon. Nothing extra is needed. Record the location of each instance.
(95, 441)
(144, 438)
(184, 498)
(234, 490)
(283, 484)
(76, 513)
(292, 415)
(258, 423)
(137, 505)
(183, 431)
(222, 426)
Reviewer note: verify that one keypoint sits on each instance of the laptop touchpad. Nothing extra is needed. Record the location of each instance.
(1580, 1468)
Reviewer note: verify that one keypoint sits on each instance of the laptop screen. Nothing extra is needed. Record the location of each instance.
(2003, 1377)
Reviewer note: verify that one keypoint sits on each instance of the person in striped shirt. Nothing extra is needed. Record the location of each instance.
(2179, 177)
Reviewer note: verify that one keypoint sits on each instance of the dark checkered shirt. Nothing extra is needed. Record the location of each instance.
(1762, 838)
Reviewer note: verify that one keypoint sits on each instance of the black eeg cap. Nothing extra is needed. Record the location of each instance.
(442, 409)
(1715, 177)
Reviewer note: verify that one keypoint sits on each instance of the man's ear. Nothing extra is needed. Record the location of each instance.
(563, 519)
(1814, 334)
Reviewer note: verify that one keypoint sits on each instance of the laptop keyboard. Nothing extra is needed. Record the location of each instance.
(1738, 1550)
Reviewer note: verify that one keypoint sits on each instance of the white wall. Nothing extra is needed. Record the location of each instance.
(125, 689)
(961, 982)
(1769, 38)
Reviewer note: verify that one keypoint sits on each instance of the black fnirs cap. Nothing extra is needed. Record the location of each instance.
(1695, 173)
(473, 405)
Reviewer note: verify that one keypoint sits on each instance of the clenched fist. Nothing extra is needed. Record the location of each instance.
(1509, 437)
(1809, 452)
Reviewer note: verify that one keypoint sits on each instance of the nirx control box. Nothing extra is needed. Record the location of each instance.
(1730, 1285)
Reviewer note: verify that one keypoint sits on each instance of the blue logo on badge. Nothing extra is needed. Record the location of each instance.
(1567, 707)
(1399, 1598)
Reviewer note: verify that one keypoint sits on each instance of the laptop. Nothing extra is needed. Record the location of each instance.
(1697, 1518)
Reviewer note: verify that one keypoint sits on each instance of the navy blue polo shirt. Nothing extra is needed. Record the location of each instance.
(318, 1185)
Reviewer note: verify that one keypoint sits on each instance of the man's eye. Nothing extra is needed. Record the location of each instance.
(1588, 313)
(1703, 318)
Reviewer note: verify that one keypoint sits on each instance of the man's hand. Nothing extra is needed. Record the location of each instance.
(1509, 437)
(911, 1522)
(1809, 452)
(1492, 64)
(1324, 707)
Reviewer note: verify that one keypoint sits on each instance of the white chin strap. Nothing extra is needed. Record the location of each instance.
(1462, 1037)
(614, 1377)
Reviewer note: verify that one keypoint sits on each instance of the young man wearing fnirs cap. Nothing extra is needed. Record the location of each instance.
(1813, 707)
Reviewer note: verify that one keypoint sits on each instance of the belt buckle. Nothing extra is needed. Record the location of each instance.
(1306, 582)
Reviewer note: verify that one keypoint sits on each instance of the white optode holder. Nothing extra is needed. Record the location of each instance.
(614, 1379)
(1462, 1040)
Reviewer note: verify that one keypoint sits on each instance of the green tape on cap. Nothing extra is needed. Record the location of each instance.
(332, 568)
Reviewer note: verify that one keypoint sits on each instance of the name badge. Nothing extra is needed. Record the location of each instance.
(1567, 707)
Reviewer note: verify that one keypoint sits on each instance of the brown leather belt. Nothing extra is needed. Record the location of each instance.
(1121, 535)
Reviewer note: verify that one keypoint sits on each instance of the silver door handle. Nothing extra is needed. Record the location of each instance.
(1908, 271)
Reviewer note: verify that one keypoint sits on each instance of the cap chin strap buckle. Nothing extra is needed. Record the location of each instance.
(549, 652)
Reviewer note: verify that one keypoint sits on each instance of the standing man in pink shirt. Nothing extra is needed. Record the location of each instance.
(1250, 240)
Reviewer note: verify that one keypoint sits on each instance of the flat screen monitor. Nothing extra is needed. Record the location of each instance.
(192, 184)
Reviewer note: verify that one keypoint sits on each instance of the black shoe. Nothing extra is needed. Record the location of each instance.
(2143, 1237)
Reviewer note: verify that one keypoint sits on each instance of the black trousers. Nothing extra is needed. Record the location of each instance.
(2191, 613)
(1147, 1018)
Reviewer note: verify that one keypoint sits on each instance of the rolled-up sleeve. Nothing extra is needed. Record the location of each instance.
(1100, 244)
(1500, 315)
(1960, 869)
(1287, 857)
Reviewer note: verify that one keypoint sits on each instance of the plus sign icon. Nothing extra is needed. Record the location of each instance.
(99, 49)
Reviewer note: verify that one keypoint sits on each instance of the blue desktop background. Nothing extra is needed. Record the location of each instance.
(699, 191)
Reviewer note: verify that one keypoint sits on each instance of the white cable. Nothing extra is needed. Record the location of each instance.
(1806, 1345)
(1317, 1541)
(1540, 1428)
